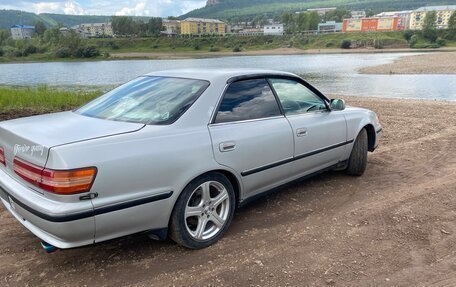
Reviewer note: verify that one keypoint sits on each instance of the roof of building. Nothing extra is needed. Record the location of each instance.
(94, 24)
(436, 8)
(170, 21)
(203, 20)
(393, 13)
(23, 26)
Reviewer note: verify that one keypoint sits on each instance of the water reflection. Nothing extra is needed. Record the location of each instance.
(333, 74)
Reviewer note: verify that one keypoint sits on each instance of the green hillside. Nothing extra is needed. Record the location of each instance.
(13, 17)
(227, 9)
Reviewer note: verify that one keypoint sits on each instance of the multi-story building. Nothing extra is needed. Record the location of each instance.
(200, 26)
(404, 18)
(95, 29)
(329, 27)
(320, 11)
(171, 27)
(370, 24)
(443, 16)
(358, 14)
(22, 32)
(273, 29)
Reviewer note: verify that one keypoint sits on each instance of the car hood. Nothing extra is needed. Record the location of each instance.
(31, 138)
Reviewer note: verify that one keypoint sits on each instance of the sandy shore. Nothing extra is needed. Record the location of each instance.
(280, 51)
(394, 226)
(434, 63)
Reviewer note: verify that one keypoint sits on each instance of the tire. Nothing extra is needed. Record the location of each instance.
(203, 212)
(357, 162)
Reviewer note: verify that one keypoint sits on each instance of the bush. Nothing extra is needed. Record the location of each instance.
(441, 42)
(378, 44)
(197, 47)
(30, 49)
(1, 53)
(87, 52)
(214, 49)
(413, 40)
(408, 34)
(345, 44)
(63, 53)
(237, 49)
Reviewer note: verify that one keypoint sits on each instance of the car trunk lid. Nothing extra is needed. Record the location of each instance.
(31, 138)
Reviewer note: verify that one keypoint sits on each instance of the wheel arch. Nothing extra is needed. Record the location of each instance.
(371, 136)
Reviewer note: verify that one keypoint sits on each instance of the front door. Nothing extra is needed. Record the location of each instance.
(320, 135)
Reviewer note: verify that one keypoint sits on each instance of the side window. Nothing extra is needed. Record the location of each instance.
(247, 100)
(296, 98)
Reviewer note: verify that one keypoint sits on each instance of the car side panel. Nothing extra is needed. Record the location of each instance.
(131, 167)
(258, 146)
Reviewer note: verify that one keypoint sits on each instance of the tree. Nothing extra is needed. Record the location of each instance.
(314, 20)
(40, 28)
(429, 27)
(124, 25)
(288, 21)
(452, 26)
(337, 15)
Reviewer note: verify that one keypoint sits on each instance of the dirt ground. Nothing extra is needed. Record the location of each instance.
(394, 226)
(433, 63)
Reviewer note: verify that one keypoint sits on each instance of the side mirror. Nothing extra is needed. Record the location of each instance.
(337, 105)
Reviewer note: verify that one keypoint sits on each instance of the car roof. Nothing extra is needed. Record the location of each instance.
(212, 75)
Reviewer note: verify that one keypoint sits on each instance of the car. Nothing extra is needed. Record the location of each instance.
(173, 154)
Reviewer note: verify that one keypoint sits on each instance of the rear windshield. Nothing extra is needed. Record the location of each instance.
(147, 100)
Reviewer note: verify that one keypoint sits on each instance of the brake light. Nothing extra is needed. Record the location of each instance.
(63, 182)
(2, 156)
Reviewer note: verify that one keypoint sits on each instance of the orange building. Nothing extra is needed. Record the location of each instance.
(370, 24)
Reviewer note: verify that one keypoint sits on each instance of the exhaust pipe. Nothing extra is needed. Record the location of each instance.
(48, 247)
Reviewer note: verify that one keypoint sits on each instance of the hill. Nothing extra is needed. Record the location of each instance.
(226, 9)
(13, 17)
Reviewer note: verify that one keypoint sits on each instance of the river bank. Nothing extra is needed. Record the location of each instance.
(434, 63)
(272, 52)
(394, 226)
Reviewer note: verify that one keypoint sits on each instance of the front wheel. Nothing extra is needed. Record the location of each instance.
(357, 162)
(203, 212)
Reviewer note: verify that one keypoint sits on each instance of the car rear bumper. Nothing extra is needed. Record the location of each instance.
(49, 220)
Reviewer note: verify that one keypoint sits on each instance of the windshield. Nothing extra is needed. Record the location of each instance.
(147, 100)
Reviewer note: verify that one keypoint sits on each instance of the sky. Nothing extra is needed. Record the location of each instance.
(162, 8)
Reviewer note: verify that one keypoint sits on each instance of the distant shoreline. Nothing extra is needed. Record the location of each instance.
(272, 52)
(204, 55)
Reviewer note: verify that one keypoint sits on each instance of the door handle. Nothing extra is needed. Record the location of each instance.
(301, 132)
(227, 146)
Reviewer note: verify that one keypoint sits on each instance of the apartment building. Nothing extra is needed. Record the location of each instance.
(200, 26)
(171, 27)
(95, 29)
(22, 32)
(443, 16)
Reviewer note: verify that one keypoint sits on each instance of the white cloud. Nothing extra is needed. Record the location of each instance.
(73, 8)
(161, 8)
(68, 7)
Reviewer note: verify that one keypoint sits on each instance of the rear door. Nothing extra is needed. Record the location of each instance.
(319, 134)
(250, 135)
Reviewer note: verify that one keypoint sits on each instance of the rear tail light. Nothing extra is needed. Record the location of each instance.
(2, 156)
(56, 181)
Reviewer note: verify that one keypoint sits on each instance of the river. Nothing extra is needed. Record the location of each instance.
(332, 74)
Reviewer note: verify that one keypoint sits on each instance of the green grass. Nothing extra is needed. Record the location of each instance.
(42, 99)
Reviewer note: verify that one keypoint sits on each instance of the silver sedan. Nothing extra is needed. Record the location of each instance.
(173, 154)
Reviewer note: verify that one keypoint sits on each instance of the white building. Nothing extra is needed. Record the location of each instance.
(95, 29)
(22, 32)
(273, 29)
(358, 14)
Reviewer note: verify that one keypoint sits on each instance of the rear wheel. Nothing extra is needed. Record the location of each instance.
(357, 162)
(203, 212)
